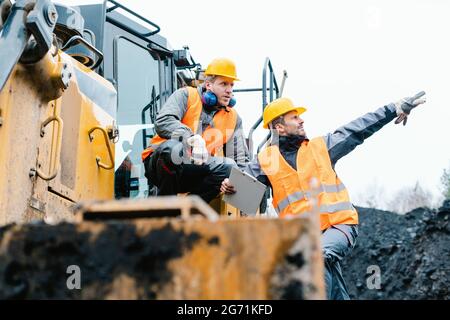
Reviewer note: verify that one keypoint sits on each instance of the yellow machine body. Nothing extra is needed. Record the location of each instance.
(52, 150)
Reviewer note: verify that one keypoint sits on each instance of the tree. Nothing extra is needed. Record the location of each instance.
(372, 197)
(410, 198)
(445, 180)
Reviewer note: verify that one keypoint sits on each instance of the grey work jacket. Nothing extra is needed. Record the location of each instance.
(340, 142)
(168, 125)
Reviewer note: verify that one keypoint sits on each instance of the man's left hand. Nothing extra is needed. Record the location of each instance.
(405, 106)
(227, 187)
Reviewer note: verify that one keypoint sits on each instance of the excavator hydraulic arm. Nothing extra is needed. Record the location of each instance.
(26, 34)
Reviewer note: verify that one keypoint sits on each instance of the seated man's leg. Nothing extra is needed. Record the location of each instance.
(220, 169)
(164, 167)
(205, 180)
(337, 241)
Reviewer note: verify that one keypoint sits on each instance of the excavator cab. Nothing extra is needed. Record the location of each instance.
(143, 69)
(126, 71)
(80, 135)
(145, 72)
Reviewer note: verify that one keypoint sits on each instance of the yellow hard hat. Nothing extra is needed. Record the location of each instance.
(222, 67)
(277, 108)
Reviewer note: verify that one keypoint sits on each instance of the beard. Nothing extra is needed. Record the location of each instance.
(296, 137)
(297, 133)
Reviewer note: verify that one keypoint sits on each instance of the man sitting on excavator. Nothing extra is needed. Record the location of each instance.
(195, 127)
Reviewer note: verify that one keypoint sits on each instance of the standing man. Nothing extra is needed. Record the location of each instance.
(199, 136)
(302, 177)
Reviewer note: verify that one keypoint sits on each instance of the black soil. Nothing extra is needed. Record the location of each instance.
(412, 252)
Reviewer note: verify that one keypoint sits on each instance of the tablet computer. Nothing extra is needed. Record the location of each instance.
(249, 192)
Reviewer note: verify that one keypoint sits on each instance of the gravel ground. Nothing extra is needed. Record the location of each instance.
(411, 251)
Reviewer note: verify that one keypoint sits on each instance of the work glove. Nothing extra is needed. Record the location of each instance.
(199, 153)
(405, 106)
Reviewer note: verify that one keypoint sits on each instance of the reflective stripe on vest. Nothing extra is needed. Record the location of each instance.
(293, 190)
(297, 196)
(332, 208)
(216, 135)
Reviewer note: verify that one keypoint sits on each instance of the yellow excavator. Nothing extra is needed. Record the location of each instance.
(80, 88)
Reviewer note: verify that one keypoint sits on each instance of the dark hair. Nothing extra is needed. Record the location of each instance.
(279, 120)
(211, 78)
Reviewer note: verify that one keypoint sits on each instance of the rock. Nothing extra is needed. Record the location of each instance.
(445, 206)
(411, 251)
(373, 253)
(429, 271)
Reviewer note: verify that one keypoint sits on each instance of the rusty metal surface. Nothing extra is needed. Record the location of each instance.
(44, 171)
(152, 207)
(164, 259)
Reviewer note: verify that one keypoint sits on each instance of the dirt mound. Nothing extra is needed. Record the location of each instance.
(411, 252)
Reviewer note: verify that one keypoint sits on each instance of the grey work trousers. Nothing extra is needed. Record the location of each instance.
(337, 242)
(169, 170)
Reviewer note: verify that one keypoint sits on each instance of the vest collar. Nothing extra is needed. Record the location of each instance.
(290, 143)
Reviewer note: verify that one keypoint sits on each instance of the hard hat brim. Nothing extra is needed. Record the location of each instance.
(222, 75)
(299, 110)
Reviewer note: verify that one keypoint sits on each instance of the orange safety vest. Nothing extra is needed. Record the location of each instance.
(215, 135)
(314, 179)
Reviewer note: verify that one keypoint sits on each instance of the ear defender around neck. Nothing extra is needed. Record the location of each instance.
(209, 99)
(232, 102)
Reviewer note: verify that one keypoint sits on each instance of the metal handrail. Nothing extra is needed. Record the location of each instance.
(80, 40)
(279, 93)
(53, 169)
(97, 158)
(264, 142)
(273, 86)
(151, 105)
(273, 82)
(250, 136)
(139, 34)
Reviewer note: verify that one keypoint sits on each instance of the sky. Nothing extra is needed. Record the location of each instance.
(343, 59)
